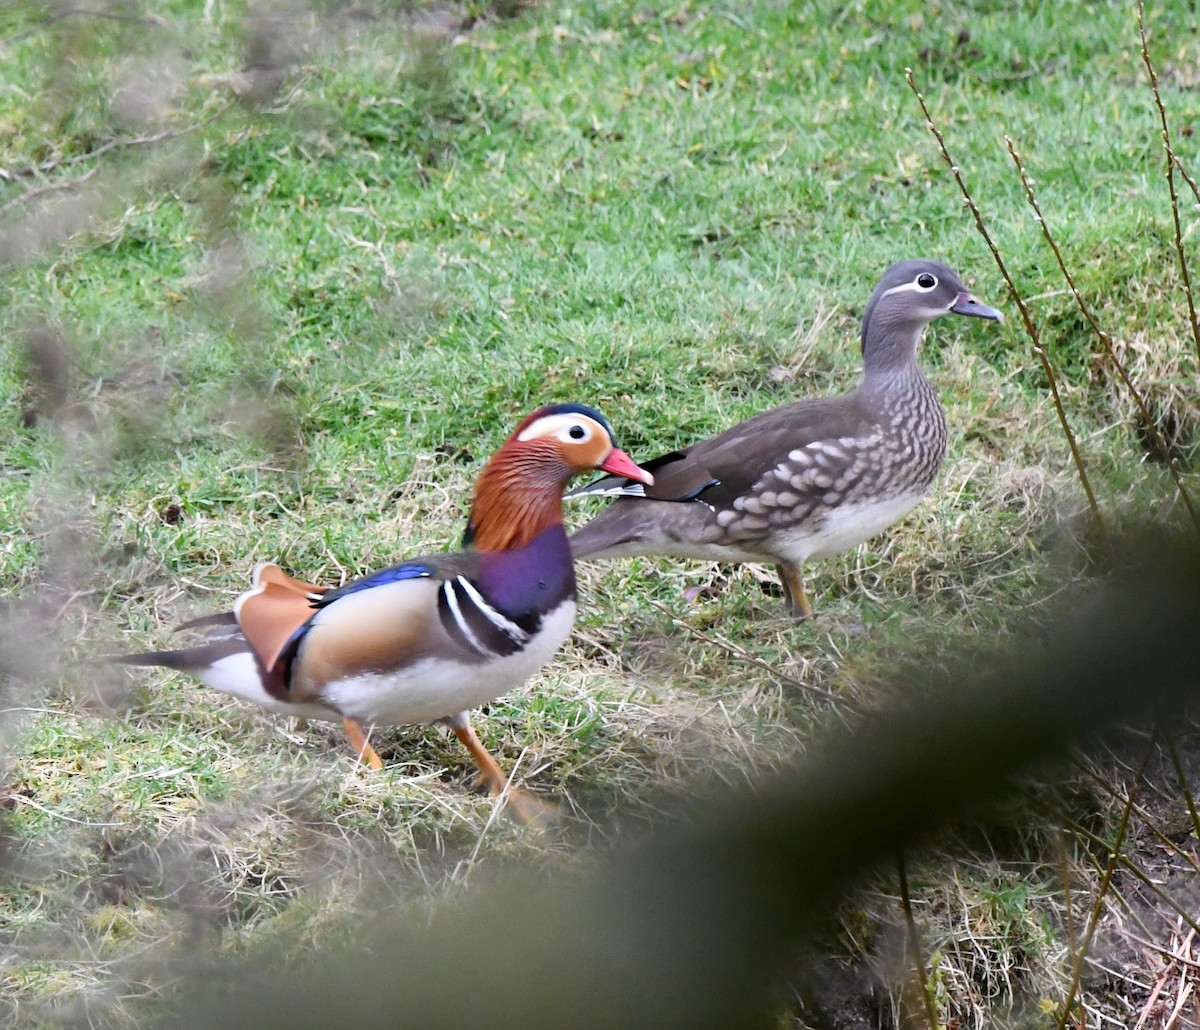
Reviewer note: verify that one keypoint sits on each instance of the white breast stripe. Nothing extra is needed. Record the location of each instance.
(452, 602)
(509, 628)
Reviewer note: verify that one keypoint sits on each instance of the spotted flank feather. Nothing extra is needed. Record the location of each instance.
(810, 478)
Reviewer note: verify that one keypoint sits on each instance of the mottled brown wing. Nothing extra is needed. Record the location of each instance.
(739, 457)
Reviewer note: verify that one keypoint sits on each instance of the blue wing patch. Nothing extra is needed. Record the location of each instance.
(409, 570)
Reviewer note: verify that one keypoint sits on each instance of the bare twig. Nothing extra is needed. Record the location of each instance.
(1106, 340)
(1163, 950)
(1114, 857)
(1178, 957)
(916, 948)
(1106, 787)
(11, 174)
(1187, 178)
(1065, 868)
(1171, 164)
(1030, 329)
(1188, 797)
(1137, 872)
(23, 799)
(1185, 991)
(54, 187)
(1152, 1000)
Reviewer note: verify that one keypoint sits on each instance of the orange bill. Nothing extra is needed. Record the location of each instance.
(618, 463)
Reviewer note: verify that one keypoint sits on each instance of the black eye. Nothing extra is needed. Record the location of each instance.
(926, 281)
(577, 432)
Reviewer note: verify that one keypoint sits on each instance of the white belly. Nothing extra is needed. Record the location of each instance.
(846, 527)
(435, 689)
(237, 675)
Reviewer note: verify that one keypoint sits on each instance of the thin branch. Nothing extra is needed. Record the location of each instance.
(51, 813)
(1138, 873)
(1179, 958)
(1106, 340)
(12, 174)
(1152, 999)
(54, 187)
(1065, 869)
(1163, 839)
(916, 948)
(1171, 163)
(1114, 858)
(1163, 950)
(1187, 178)
(1030, 329)
(1188, 797)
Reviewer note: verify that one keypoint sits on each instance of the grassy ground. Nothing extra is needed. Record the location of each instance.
(276, 282)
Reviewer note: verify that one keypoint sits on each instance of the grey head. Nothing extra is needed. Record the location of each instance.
(910, 295)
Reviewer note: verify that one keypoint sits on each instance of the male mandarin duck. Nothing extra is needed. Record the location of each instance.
(426, 640)
(808, 479)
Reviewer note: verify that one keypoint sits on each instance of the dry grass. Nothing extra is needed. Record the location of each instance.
(309, 287)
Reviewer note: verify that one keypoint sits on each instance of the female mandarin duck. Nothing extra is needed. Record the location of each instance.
(809, 479)
(428, 639)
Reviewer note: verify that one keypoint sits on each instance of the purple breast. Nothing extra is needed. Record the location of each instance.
(530, 581)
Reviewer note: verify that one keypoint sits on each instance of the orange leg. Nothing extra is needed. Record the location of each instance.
(793, 590)
(360, 743)
(524, 806)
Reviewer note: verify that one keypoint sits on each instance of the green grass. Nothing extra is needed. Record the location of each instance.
(372, 241)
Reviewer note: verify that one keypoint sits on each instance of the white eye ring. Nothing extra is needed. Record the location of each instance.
(568, 427)
(926, 281)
